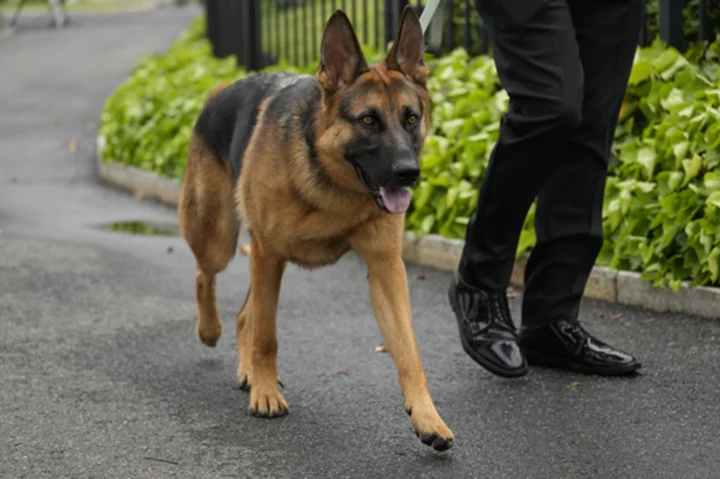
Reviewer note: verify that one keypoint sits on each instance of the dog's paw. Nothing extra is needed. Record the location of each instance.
(267, 402)
(209, 331)
(430, 428)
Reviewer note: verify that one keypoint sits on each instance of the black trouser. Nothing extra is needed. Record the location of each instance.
(565, 65)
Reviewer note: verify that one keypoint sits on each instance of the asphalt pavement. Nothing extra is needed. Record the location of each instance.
(101, 375)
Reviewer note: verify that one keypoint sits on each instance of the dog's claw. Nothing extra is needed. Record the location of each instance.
(244, 385)
(435, 441)
(268, 405)
(431, 431)
(269, 414)
(428, 440)
(441, 444)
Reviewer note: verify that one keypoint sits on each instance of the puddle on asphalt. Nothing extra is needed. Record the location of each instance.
(142, 228)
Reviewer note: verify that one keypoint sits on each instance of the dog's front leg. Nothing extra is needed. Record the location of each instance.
(266, 272)
(391, 302)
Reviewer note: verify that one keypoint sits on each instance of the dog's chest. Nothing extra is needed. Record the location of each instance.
(318, 252)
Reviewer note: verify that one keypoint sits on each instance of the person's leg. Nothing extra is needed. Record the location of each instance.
(57, 14)
(568, 219)
(538, 63)
(539, 67)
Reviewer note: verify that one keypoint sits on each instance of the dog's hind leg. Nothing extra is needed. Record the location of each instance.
(209, 224)
(260, 338)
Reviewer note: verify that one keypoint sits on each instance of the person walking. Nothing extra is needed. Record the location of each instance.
(565, 66)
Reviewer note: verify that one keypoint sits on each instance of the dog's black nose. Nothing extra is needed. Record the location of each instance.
(406, 171)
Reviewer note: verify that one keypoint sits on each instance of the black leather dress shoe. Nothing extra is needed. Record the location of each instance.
(487, 333)
(566, 345)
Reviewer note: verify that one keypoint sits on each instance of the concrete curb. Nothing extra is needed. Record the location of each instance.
(135, 180)
(620, 287)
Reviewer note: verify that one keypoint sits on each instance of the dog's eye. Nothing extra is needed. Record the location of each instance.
(412, 120)
(371, 120)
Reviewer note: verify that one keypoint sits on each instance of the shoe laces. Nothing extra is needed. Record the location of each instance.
(499, 308)
(574, 330)
(491, 307)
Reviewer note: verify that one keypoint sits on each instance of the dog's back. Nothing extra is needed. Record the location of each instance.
(229, 118)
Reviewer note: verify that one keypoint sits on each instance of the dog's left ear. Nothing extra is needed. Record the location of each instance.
(407, 54)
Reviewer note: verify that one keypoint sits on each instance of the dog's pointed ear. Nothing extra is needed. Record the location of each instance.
(407, 54)
(341, 59)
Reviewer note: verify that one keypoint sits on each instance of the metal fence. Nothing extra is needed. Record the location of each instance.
(264, 32)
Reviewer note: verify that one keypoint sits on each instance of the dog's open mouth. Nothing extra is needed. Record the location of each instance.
(394, 200)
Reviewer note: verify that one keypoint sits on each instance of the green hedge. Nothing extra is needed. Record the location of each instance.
(661, 213)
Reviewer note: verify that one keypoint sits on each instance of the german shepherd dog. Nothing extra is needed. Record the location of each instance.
(314, 166)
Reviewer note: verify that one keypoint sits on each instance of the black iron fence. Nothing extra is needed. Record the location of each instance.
(264, 32)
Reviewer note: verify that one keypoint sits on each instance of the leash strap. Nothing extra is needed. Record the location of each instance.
(428, 12)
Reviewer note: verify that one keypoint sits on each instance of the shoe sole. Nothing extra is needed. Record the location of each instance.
(505, 373)
(547, 361)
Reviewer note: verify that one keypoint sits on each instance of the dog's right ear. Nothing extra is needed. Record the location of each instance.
(341, 59)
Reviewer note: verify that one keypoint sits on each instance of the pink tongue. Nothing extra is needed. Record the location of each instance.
(397, 200)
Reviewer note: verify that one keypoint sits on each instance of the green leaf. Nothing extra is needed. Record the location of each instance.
(427, 224)
(713, 262)
(666, 59)
(674, 99)
(647, 157)
(692, 168)
(680, 150)
(712, 181)
(669, 181)
(452, 195)
(714, 199)
(640, 72)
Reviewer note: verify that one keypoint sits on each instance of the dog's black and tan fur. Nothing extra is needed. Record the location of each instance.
(315, 167)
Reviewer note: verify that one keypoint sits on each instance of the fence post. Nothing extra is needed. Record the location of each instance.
(233, 28)
(671, 23)
(251, 54)
(643, 36)
(393, 10)
(703, 33)
(219, 16)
